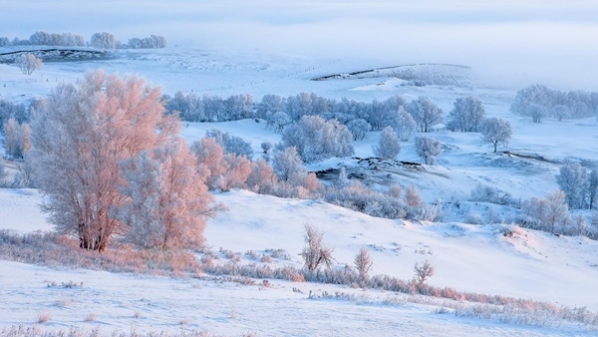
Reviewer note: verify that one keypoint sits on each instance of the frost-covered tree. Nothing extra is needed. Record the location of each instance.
(153, 41)
(496, 131)
(405, 124)
(286, 163)
(77, 141)
(16, 138)
(237, 169)
(547, 213)
(536, 112)
(277, 121)
(425, 113)
(28, 63)
(427, 148)
(103, 41)
(383, 114)
(389, 145)
(209, 155)
(316, 139)
(167, 202)
(560, 111)
(269, 105)
(359, 128)
(467, 114)
(572, 180)
(266, 146)
(190, 108)
(534, 94)
(262, 178)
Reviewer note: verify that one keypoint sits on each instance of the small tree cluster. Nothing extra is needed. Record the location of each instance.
(207, 108)
(42, 38)
(151, 42)
(579, 185)
(538, 101)
(394, 204)
(103, 40)
(547, 214)
(28, 63)
(293, 179)
(222, 170)
(316, 139)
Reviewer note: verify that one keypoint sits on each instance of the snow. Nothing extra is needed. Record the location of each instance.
(277, 47)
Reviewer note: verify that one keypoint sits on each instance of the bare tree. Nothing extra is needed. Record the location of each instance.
(28, 63)
(423, 272)
(363, 262)
(314, 254)
(77, 141)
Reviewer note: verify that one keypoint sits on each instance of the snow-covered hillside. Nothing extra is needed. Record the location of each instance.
(474, 258)
(366, 51)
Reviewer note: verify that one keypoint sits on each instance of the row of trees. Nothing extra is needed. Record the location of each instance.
(538, 101)
(281, 111)
(98, 40)
(467, 115)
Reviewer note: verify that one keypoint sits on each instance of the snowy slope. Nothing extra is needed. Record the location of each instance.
(278, 47)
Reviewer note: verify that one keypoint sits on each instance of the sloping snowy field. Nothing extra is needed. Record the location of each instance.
(473, 258)
(277, 47)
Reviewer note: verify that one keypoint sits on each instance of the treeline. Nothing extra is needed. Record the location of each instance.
(280, 111)
(538, 101)
(98, 40)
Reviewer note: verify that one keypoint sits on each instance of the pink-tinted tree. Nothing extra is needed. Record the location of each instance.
(77, 140)
(167, 202)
